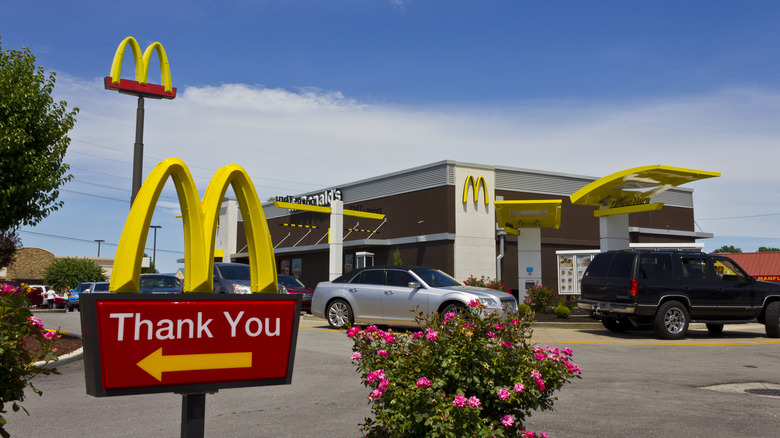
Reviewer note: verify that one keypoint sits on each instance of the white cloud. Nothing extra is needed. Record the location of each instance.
(304, 140)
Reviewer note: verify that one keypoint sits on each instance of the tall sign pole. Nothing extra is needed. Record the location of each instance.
(140, 88)
(138, 149)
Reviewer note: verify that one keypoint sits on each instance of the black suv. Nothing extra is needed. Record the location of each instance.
(670, 289)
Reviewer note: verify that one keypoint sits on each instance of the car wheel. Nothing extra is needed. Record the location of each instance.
(715, 329)
(339, 314)
(671, 320)
(772, 320)
(615, 324)
(452, 308)
(70, 308)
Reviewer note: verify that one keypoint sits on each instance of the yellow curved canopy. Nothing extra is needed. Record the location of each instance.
(630, 190)
(514, 215)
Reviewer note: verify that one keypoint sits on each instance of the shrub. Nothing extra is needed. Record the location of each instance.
(17, 365)
(466, 374)
(487, 282)
(562, 311)
(523, 309)
(541, 299)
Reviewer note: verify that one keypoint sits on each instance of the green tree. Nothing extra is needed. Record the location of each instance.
(397, 261)
(33, 141)
(69, 272)
(765, 249)
(727, 248)
(9, 243)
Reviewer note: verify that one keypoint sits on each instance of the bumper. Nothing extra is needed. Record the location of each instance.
(603, 308)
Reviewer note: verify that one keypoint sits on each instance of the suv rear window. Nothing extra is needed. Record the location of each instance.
(655, 267)
(599, 265)
(621, 265)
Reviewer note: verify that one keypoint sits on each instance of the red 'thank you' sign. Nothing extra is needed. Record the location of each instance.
(158, 342)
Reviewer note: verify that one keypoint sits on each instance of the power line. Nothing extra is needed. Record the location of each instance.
(76, 239)
(739, 217)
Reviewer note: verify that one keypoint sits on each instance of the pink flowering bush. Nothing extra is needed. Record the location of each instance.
(492, 283)
(17, 364)
(467, 374)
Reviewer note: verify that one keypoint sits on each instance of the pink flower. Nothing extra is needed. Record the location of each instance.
(567, 351)
(459, 401)
(422, 381)
(432, 335)
(473, 303)
(540, 384)
(388, 337)
(544, 435)
(474, 402)
(382, 353)
(539, 355)
(375, 394)
(50, 335)
(491, 335)
(416, 335)
(506, 344)
(35, 322)
(519, 387)
(536, 374)
(507, 420)
(356, 355)
(515, 322)
(375, 375)
(353, 331)
(503, 393)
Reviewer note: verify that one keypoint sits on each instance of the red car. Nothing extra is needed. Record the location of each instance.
(293, 286)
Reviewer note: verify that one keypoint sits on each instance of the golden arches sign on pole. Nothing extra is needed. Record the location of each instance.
(140, 86)
(200, 223)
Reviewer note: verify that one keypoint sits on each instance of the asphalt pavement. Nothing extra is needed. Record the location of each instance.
(633, 384)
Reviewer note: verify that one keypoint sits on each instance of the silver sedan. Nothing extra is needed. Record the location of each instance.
(388, 294)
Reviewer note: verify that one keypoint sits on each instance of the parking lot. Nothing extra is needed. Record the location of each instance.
(633, 384)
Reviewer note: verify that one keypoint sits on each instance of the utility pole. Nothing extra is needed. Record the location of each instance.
(154, 253)
(98, 241)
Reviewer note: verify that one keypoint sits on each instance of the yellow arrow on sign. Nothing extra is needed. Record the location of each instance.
(156, 364)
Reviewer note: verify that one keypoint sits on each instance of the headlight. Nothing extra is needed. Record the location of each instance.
(240, 289)
(490, 302)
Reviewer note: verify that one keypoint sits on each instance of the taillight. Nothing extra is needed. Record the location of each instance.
(634, 288)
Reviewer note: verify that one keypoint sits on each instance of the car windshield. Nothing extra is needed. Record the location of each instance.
(158, 282)
(82, 287)
(235, 272)
(101, 287)
(436, 278)
(288, 281)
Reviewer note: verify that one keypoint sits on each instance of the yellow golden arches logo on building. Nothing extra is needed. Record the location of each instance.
(200, 223)
(140, 86)
(475, 184)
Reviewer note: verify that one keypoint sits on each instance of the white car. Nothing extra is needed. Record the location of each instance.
(389, 295)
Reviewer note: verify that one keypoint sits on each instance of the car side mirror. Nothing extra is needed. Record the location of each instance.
(414, 285)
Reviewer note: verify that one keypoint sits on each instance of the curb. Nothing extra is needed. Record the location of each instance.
(64, 359)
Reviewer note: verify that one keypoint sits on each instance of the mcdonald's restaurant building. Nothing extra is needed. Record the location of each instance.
(443, 215)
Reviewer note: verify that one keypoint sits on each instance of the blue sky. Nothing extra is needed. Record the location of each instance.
(309, 94)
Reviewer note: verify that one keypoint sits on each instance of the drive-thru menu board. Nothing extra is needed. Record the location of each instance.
(571, 267)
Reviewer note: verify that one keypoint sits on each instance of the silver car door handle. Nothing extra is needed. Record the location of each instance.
(353, 290)
(388, 292)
